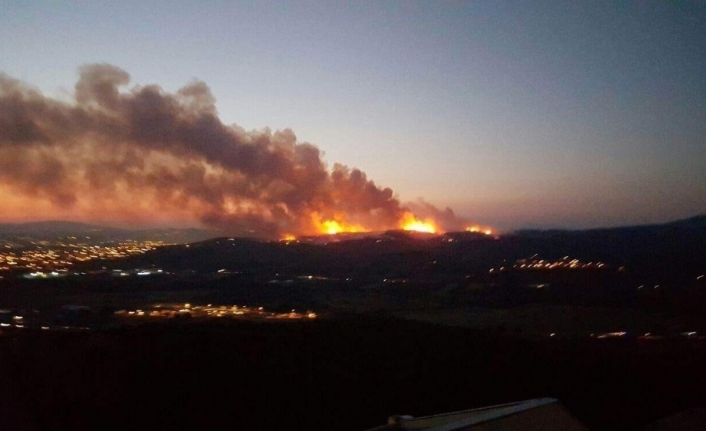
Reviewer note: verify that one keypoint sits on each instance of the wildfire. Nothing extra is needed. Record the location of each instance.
(478, 229)
(338, 224)
(332, 227)
(288, 237)
(409, 222)
(335, 225)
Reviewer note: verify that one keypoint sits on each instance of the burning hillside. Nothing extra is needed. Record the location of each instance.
(132, 154)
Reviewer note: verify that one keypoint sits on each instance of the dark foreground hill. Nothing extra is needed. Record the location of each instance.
(339, 374)
(351, 373)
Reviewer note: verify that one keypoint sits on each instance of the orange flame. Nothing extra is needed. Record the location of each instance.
(335, 225)
(478, 229)
(332, 227)
(410, 222)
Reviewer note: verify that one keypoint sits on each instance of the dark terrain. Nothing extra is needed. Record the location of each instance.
(345, 373)
(410, 324)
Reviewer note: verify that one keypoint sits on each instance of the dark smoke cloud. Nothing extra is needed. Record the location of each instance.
(171, 152)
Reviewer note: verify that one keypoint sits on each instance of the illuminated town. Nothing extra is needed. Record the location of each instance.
(565, 263)
(58, 258)
(78, 317)
(168, 311)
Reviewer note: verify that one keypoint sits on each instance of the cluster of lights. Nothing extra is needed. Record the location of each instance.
(16, 321)
(59, 257)
(534, 263)
(645, 336)
(12, 320)
(211, 311)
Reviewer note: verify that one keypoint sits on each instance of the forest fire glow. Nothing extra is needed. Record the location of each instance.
(478, 229)
(332, 227)
(338, 224)
(335, 225)
(119, 154)
(414, 224)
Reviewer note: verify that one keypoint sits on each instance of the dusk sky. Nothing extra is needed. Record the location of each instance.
(514, 114)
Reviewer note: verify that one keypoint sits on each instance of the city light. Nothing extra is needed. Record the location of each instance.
(162, 311)
(55, 260)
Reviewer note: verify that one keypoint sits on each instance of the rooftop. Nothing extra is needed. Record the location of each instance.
(537, 414)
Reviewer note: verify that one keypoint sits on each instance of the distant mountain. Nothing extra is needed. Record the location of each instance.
(696, 222)
(675, 251)
(91, 233)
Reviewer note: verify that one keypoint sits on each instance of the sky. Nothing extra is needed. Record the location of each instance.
(515, 114)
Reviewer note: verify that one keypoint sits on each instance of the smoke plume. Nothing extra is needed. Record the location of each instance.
(122, 154)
